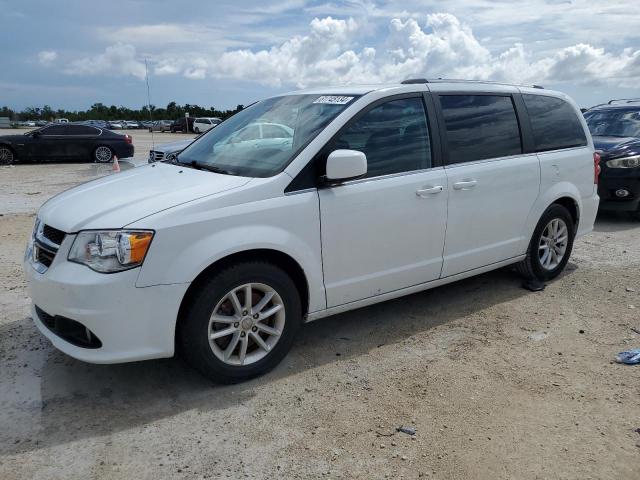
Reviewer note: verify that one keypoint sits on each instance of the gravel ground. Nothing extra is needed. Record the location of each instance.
(499, 382)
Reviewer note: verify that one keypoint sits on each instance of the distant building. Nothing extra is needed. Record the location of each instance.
(5, 122)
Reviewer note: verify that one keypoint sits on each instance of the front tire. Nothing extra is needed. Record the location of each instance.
(550, 246)
(6, 155)
(240, 322)
(103, 154)
(196, 130)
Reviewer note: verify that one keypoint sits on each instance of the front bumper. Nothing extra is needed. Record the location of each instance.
(131, 323)
(612, 180)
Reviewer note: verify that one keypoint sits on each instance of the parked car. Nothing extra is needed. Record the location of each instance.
(616, 134)
(182, 124)
(259, 134)
(161, 126)
(59, 142)
(168, 151)
(115, 125)
(41, 123)
(61, 120)
(415, 185)
(204, 124)
(132, 124)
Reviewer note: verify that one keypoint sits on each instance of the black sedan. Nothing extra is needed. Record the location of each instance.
(65, 142)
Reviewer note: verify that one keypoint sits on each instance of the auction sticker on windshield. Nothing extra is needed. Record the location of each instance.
(333, 99)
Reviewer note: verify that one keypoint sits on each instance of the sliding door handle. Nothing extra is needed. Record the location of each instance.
(425, 192)
(465, 185)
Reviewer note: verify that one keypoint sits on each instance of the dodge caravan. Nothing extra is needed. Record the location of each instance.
(378, 192)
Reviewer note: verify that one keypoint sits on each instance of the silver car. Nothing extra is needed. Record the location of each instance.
(161, 126)
(168, 151)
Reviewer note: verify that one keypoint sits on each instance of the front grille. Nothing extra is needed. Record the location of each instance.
(53, 234)
(70, 330)
(45, 257)
(155, 156)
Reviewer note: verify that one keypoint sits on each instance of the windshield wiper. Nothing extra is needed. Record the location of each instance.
(210, 168)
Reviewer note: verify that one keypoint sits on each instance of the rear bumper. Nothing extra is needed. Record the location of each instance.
(124, 151)
(131, 323)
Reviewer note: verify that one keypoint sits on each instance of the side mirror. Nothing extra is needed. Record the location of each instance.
(343, 165)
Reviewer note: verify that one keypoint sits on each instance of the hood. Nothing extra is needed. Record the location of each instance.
(615, 147)
(18, 138)
(120, 199)
(173, 146)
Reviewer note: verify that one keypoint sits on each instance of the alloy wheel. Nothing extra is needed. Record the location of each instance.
(246, 324)
(103, 154)
(6, 156)
(553, 244)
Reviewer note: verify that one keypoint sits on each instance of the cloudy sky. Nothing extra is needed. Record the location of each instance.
(73, 53)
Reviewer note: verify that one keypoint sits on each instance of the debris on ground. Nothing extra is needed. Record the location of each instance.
(407, 430)
(534, 285)
(629, 357)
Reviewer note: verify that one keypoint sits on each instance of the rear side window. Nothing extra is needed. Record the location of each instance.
(480, 127)
(554, 123)
(394, 136)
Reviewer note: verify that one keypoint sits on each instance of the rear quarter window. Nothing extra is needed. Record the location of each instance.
(554, 123)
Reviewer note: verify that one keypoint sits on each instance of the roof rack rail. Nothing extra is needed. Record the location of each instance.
(410, 81)
(625, 100)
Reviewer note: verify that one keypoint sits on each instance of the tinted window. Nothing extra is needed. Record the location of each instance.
(54, 130)
(480, 127)
(394, 136)
(81, 130)
(554, 122)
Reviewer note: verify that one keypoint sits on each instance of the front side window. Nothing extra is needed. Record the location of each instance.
(53, 130)
(238, 147)
(554, 122)
(394, 136)
(480, 127)
(615, 122)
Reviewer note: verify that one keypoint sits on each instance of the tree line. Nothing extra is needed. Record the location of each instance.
(99, 111)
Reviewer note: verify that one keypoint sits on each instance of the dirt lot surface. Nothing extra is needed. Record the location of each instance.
(499, 382)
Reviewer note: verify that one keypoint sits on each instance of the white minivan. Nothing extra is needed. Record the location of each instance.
(382, 191)
(204, 124)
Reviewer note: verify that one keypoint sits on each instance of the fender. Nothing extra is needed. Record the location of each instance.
(546, 198)
(186, 244)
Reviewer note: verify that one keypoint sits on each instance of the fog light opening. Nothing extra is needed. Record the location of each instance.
(622, 193)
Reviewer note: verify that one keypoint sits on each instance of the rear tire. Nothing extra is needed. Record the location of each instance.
(550, 246)
(265, 337)
(196, 130)
(103, 154)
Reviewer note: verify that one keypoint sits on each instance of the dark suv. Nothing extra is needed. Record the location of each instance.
(615, 128)
(180, 125)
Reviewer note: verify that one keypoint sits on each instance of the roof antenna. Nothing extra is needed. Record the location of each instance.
(146, 72)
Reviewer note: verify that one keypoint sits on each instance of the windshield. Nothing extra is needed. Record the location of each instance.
(614, 123)
(262, 139)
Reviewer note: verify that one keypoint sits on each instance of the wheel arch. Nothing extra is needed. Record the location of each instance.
(276, 257)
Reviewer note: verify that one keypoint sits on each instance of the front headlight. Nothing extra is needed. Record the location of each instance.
(109, 251)
(627, 162)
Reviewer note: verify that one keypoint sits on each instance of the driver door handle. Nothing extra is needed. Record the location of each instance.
(425, 192)
(465, 185)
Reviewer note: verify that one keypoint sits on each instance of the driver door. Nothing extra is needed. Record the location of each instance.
(386, 231)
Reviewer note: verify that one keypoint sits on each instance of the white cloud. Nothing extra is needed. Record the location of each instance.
(47, 57)
(119, 59)
(441, 47)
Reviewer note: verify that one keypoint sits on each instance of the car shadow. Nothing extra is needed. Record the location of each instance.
(75, 400)
(615, 222)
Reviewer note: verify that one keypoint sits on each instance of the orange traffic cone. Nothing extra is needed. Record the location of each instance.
(116, 165)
